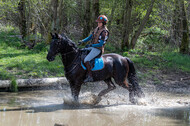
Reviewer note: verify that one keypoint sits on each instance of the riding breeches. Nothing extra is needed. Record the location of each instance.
(93, 53)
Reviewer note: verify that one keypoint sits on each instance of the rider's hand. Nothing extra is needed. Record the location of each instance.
(89, 45)
(80, 42)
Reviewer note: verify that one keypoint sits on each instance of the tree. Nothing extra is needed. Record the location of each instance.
(126, 43)
(55, 8)
(184, 47)
(143, 23)
(177, 22)
(114, 5)
(80, 13)
(96, 12)
(87, 19)
(22, 18)
(126, 28)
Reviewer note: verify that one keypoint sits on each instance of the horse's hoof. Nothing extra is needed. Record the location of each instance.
(56, 124)
(140, 94)
(142, 101)
(68, 101)
(133, 101)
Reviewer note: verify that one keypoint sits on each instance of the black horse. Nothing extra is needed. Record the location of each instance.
(116, 66)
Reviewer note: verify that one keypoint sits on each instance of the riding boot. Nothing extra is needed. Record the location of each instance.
(89, 75)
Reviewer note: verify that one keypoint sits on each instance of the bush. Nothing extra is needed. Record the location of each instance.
(13, 86)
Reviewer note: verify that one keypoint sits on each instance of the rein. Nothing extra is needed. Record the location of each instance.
(71, 67)
(69, 52)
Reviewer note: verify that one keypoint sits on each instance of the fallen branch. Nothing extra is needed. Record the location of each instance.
(186, 78)
(34, 82)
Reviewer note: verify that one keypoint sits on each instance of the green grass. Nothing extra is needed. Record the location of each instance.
(19, 62)
(170, 60)
(149, 65)
(176, 60)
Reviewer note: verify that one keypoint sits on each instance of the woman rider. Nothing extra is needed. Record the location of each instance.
(98, 39)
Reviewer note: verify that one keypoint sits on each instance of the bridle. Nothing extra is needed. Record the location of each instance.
(69, 68)
(73, 64)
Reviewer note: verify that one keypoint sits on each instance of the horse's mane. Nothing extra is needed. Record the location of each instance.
(70, 42)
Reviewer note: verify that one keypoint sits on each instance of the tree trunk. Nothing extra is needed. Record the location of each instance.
(112, 14)
(142, 25)
(22, 19)
(87, 19)
(127, 18)
(80, 19)
(62, 20)
(184, 47)
(96, 12)
(121, 19)
(49, 21)
(177, 23)
(188, 11)
(55, 18)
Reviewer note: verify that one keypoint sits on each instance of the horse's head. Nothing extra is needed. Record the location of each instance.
(55, 47)
(60, 44)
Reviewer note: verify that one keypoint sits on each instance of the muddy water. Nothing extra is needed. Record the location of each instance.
(46, 108)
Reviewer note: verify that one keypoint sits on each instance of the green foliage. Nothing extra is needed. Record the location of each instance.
(152, 39)
(41, 47)
(13, 86)
(151, 52)
(160, 55)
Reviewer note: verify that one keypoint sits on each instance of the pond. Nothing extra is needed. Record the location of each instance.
(46, 108)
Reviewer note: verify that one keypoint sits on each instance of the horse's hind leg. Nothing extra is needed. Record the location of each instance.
(132, 78)
(111, 87)
(135, 86)
(129, 87)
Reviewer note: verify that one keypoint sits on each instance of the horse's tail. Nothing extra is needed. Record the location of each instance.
(132, 78)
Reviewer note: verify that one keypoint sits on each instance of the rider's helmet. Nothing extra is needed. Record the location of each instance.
(102, 19)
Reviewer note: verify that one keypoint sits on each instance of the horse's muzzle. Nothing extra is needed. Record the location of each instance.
(50, 58)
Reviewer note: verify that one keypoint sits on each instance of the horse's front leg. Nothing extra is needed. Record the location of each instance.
(75, 90)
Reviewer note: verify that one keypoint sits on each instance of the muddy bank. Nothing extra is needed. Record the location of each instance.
(165, 80)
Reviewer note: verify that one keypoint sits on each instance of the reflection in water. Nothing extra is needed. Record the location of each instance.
(121, 115)
(46, 108)
(181, 114)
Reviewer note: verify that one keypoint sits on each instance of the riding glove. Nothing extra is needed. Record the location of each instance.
(88, 45)
(80, 42)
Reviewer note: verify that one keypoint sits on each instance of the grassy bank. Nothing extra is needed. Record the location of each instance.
(160, 60)
(17, 61)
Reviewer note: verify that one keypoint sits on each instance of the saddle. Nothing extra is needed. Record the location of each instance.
(96, 63)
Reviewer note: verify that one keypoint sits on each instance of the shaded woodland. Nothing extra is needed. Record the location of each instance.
(130, 21)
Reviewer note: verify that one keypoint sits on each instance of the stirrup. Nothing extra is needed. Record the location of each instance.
(88, 79)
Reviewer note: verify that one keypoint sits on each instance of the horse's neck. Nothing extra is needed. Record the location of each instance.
(69, 58)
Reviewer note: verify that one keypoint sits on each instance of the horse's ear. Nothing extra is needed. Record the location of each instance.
(51, 35)
(56, 36)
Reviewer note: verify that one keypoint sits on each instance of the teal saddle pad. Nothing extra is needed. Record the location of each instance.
(99, 64)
